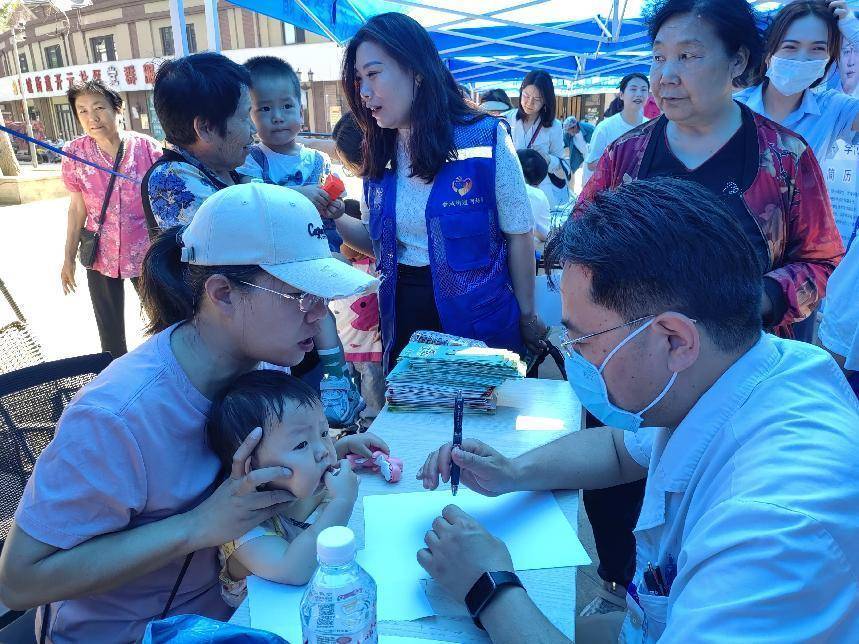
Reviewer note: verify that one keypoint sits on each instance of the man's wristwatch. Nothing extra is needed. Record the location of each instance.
(485, 589)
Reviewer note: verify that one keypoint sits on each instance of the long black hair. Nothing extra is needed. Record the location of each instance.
(437, 106)
(542, 80)
(170, 289)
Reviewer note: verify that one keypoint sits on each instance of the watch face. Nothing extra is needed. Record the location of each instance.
(479, 593)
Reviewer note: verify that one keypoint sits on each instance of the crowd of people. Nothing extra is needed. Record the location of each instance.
(698, 268)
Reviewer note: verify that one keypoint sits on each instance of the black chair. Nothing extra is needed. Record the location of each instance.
(31, 402)
(18, 347)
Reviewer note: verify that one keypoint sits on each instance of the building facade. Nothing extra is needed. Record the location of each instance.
(122, 42)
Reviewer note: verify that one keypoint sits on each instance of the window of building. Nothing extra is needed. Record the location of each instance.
(22, 63)
(167, 45)
(293, 35)
(53, 57)
(167, 41)
(192, 38)
(103, 49)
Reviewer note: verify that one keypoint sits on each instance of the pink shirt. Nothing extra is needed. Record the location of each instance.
(130, 449)
(124, 236)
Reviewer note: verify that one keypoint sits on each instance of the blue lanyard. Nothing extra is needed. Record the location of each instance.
(47, 146)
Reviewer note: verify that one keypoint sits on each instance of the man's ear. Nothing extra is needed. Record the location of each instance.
(684, 340)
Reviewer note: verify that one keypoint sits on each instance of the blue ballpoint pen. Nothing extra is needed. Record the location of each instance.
(457, 441)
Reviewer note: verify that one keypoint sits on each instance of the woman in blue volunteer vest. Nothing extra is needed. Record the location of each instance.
(447, 215)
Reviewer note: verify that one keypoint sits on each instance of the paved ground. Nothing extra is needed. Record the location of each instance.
(31, 255)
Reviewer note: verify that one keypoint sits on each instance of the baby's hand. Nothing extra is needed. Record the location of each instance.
(362, 445)
(342, 484)
(317, 196)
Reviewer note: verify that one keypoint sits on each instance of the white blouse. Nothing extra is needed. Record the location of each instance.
(514, 207)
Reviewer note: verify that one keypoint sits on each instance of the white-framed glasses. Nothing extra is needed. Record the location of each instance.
(568, 344)
(306, 301)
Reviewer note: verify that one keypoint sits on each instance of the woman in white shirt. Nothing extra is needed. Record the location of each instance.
(803, 42)
(535, 127)
(447, 216)
(633, 92)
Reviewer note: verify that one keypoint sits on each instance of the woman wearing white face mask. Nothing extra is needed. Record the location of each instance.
(803, 42)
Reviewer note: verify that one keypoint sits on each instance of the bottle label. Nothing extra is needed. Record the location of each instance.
(345, 615)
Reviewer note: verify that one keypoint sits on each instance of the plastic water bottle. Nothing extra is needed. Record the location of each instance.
(339, 605)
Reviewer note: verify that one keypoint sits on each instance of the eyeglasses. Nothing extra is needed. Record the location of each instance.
(306, 301)
(568, 344)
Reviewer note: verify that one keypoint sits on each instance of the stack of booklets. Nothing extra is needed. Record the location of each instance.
(428, 376)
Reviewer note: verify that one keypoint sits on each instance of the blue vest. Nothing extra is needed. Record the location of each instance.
(467, 249)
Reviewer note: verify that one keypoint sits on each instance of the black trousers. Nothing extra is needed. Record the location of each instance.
(613, 513)
(415, 308)
(108, 305)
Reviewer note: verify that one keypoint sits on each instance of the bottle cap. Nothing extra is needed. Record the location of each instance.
(335, 545)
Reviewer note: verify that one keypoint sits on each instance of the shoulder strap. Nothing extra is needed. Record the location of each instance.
(176, 585)
(110, 184)
(534, 136)
(262, 161)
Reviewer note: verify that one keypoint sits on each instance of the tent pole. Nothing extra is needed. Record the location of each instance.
(213, 25)
(180, 33)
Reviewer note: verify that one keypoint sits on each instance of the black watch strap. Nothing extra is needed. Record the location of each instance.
(485, 589)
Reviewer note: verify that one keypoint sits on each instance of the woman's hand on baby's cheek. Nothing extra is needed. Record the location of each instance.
(342, 483)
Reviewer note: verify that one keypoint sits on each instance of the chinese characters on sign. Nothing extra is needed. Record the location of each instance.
(128, 77)
(840, 170)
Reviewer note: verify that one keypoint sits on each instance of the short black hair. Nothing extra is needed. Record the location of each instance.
(626, 79)
(734, 21)
(667, 244)
(93, 87)
(252, 400)
(349, 141)
(206, 86)
(542, 80)
(534, 166)
(498, 95)
(273, 67)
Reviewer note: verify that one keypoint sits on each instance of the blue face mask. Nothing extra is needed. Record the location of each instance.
(589, 386)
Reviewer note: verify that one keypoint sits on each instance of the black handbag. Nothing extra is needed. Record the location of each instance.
(88, 240)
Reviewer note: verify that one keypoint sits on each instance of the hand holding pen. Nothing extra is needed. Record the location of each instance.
(457, 441)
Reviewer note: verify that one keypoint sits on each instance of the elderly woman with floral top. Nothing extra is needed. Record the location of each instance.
(123, 239)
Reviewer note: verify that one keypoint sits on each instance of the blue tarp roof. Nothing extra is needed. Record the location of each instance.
(583, 48)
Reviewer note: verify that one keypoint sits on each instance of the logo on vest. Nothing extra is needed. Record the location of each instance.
(315, 231)
(462, 186)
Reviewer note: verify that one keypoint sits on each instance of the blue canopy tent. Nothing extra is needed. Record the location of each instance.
(500, 41)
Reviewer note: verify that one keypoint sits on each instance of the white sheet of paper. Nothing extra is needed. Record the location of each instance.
(276, 608)
(397, 599)
(539, 424)
(530, 523)
(395, 639)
